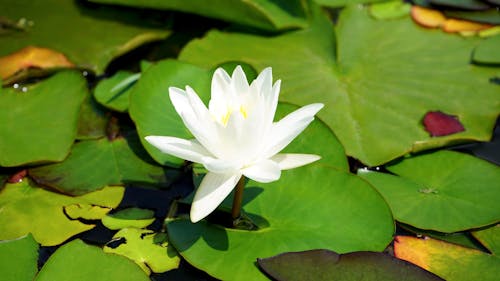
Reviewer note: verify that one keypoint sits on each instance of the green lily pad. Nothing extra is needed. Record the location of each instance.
(459, 238)
(348, 215)
(487, 51)
(341, 3)
(93, 120)
(328, 265)
(264, 14)
(94, 164)
(40, 125)
(150, 105)
(449, 261)
(131, 217)
(114, 91)
(18, 259)
(150, 250)
(390, 10)
(490, 16)
(27, 208)
(371, 83)
(90, 36)
(444, 191)
(490, 238)
(78, 261)
(462, 4)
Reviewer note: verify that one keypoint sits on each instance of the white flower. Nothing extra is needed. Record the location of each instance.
(236, 135)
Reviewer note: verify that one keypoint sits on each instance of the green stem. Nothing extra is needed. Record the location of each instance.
(238, 199)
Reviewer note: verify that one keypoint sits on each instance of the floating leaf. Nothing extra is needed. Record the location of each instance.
(150, 250)
(449, 261)
(89, 36)
(445, 191)
(370, 83)
(440, 124)
(93, 120)
(341, 3)
(389, 10)
(40, 125)
(18, 259)
(131, 217)
(348, 216)
(265, 14)
(454, 25)
(27, 208)
(487, 51)
(490, 16)
(94, 164)
(78, 261)
(461, 4)
(427, 17)
(328, 265)
(490, 238)
(31, 56)
(150, 105)
(459, 238)
(114, 91)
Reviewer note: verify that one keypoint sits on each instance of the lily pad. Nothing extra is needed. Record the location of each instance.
(348, 216)
(490, 238)
(328, 265)
(27, 208)
(90, 36)
(150, 105)
(131, 217)
(95, 164)
(150, 250)
(18, 259)
(93, 120)
(449, 261)
(78, 261)
(371, 83)
(390, 10)
(487, 51)
(114, 91)
(461, 4)
(40, 125)
(444, 191)
(341, 3)
(459, 238)
(265, 14)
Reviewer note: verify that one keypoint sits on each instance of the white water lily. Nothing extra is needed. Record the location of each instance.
(235, 136)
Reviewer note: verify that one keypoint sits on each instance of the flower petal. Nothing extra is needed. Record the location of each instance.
(284, 131)
(263, 171)
(179, 100)
(214, 188)
(240, 83)
(220, 166)
(288, 161)
(190, 150)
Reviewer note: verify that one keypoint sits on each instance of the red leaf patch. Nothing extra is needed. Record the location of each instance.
(439, 124)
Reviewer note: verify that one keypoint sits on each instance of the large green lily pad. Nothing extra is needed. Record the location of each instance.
(89, 35)
(78, 261)
(445, 191)
(377, 79)
(310, 207)
(265, 14)
(27, 208)
(18, 259)
(150, 250)
(40, 125)
(94, 164)
(93, 119)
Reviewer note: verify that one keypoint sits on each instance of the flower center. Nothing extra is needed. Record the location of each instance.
(225, 117)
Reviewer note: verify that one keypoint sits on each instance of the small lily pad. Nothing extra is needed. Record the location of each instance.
(78, 261)
(93, 120)
(449, 261)
(390, 10)
(27, 208)
(131, 217)
(114, 92)
(48, 115)
(150, 250)
(348, 216)
(18, 259)
(328, 265)
(94, 164)
(487, 51)
(444, 191)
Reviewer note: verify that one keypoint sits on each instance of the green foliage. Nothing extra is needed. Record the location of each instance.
(18, 259)
(131, 217)
(40, 125)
